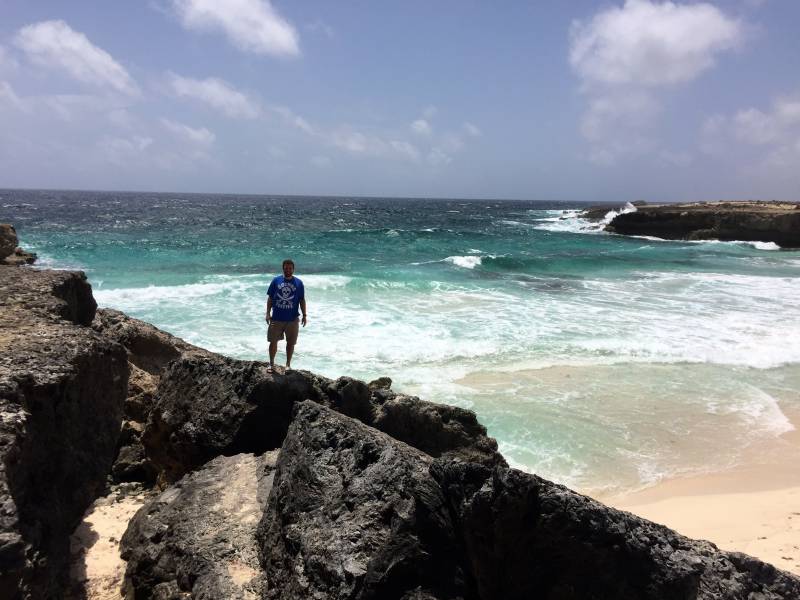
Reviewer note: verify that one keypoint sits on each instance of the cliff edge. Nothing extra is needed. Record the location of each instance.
(777, 222)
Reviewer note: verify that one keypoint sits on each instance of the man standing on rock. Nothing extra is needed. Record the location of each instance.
(284, 297)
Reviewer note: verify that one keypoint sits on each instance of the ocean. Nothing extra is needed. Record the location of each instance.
(603, 362)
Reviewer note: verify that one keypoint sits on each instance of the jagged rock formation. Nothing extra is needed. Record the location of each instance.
(61, 392)
(199, 535)
(375, 494)
(10, 253)
(149, 351)
(207, 406)
(356, 514)
(727, 221)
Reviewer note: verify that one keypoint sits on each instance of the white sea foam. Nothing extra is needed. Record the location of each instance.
(468, 262)
(572, 220)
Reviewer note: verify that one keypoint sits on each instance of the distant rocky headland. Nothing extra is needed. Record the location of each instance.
(291, 485)
(750, 221)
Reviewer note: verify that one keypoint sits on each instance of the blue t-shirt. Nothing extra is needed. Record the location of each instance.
(286, 295)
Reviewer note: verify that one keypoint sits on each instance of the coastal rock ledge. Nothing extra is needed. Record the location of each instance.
(777, 222)
(291, 485)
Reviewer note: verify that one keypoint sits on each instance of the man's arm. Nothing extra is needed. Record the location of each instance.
(303, 308)
(269, 307)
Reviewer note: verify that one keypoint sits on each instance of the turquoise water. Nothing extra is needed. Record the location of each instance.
(600, 361)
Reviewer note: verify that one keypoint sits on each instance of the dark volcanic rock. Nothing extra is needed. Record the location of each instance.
(529, 538)
(599, 212)
(438, 430)
(149, 348)
(20, 257)
(355, 514)
(149, 351)
(727, 221)
(197, 539)
(61, 392)
(8, 240)
(211, 406)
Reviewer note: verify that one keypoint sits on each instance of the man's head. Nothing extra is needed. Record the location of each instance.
(288, 268)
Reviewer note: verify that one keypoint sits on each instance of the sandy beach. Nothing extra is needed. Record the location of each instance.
(753, 509)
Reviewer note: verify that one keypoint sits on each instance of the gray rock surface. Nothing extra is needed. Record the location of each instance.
(197, 538)
(354, 513)
(61, 392)
(149, 351)
(210, 405)
(728, 221)
(8, 240)
(529, 538)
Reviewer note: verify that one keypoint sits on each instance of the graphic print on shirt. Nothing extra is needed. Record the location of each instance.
(285, 296)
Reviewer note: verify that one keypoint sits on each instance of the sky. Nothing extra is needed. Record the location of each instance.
(544, 100)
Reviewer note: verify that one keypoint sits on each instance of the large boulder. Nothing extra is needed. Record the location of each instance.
(206, 407)
(439, 430)
(526, 537)
(354, 513)
(197, 539)
(727, 221)
(61, 392)
(210, 405)
(149, 351)
(8, 240)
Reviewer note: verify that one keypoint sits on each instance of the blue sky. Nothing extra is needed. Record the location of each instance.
(580, 100)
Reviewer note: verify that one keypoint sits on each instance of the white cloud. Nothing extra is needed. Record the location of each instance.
(250, 25)
(200, 137)
(429, 111)
(421, 127)
(294, 119)
(768, 139)
(438, 157)
(123, 152)
(54, 44)
(611, 113)
(355, 142)
(651, 43)
(472, 130)
(405, 149)
(624, 53)
(9, 97)
(217, 94)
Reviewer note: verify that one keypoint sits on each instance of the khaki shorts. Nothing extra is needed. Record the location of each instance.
(277, 329)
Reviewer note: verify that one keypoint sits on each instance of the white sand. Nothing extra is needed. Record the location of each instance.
(96, 563)
(754, 509)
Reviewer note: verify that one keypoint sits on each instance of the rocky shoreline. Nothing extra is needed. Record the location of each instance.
(291, 485)
(751, 221)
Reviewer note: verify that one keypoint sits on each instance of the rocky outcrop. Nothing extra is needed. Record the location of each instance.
(210, 405)
(61, 392)
(8, 240)
(149, 351)
(727, 221)
(356, 514)
(526, 537)
(600, 211)
(10, 253)
(375, 494)
(198, 537)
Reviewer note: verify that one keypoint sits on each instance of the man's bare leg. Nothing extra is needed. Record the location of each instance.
(289, 352)
(273, 350)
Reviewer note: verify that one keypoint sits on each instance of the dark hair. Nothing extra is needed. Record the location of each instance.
(288, 261)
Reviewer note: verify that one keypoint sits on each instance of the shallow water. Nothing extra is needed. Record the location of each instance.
(601, 361)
